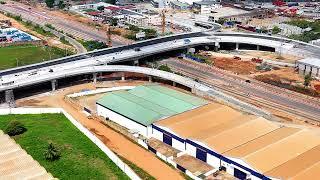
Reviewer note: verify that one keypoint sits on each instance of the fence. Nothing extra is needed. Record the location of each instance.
(100, 90)
(124, 167)
(18, 43)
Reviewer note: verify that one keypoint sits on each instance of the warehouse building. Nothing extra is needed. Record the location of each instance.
(138, 108)
(244, 145)
(309, 66)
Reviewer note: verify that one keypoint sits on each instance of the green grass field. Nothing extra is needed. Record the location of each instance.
(80, 158)
(28, 54)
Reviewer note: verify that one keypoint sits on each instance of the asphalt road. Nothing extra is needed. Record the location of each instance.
(283, 98)
(74, 28)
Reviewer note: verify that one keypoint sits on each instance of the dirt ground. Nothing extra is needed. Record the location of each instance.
(115, 141)
(90, 101)
(287, 75)
(52, 41)
(247, 55)
(242, 67)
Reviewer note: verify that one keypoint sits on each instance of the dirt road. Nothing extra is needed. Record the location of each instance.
(118, 143)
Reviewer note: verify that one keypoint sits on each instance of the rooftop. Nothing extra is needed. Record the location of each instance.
(270, 148)
(149, 103)
(310, 61)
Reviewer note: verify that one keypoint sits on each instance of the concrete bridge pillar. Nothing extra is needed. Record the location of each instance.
(54, 84)
(94, 78)
(136, 62)
(123, 78)
(150, 78)
(9, 98)
(191, 50)
(174, 84)
(237, 46)
(258, 48)
(216, 46)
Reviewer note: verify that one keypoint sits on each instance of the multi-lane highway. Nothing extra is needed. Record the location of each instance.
(300, 106)
(68, 26)
(26, 75)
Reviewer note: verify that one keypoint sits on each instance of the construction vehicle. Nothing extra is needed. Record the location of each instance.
(279, 3)
(237, 58)
(257, 60)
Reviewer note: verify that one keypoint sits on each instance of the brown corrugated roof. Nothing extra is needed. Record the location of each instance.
(239, 135)
(312, 172)
(282, 151)
(297, 165)
(186, 115)
(252, 146)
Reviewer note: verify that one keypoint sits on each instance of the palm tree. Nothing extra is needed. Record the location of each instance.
(52, 153)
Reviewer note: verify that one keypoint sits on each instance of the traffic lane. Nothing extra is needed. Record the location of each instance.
(251, 89)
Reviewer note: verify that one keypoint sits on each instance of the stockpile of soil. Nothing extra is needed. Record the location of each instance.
(284, 83)
(236, 66)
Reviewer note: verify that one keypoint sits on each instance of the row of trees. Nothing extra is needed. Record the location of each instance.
(51, 4)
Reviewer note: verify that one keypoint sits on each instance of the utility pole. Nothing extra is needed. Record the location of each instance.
(109, 41)
(163, 16)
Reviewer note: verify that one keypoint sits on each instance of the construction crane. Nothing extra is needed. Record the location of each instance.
(163, 24)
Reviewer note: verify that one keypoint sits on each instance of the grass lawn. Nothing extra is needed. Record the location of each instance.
(80, 158)
(27, 54)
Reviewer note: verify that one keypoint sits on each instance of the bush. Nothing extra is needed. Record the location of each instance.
(15, 128)
(52, 153)
(165, 68)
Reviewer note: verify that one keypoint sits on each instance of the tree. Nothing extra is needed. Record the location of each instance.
(52, 153)
(15, 128)
(113, 21)
(50, 3)
(100, 8)
(276, 30)
(164, 68)
(221, 21)
(61, 5)
(307, 80)
(110, 1)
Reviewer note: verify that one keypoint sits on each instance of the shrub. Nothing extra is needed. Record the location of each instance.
(15, 128)
(52, 153)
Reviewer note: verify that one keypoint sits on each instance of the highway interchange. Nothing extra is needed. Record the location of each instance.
(68, 66)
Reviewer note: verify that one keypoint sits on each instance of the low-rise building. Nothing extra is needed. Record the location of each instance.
(179, 5)
(206, 6)
(309, 66)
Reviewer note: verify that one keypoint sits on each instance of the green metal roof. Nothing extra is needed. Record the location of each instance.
(149, 103)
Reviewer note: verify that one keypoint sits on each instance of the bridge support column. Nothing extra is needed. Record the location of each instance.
(150, 78)
(191, 50)
(94, 78)
(216, 46)
(193, 90)
(9, 98)
(237, 46)
(54, 84)
(136, 62)
(258, 48)
(174, 84)
(123, 78)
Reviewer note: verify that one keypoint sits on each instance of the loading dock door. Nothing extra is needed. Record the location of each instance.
(239, 174)
(167, 139)
(201, 154)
